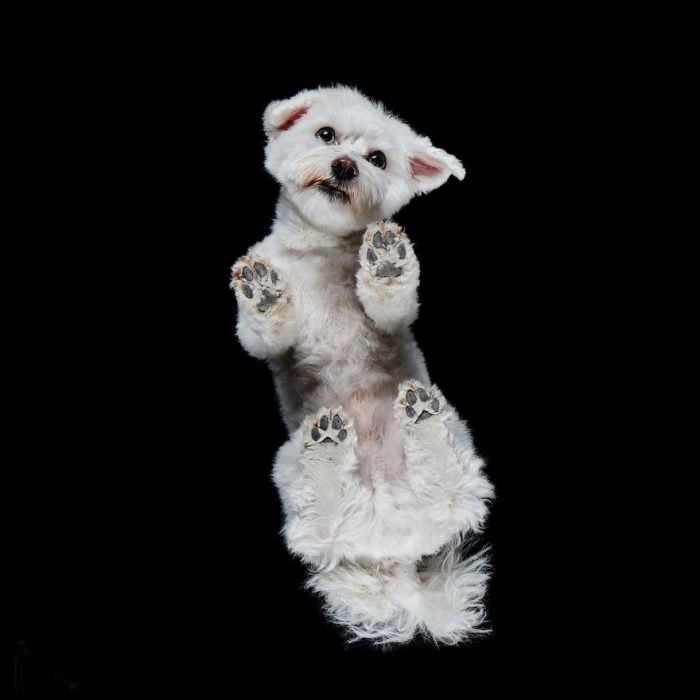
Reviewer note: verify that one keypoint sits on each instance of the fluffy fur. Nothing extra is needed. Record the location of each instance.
(379, 480)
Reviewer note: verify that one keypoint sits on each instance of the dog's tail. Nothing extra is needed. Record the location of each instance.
(440, 596)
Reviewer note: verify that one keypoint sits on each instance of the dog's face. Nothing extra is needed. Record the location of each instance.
(345, 162)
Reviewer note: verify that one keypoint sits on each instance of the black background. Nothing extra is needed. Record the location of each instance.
(144, 531)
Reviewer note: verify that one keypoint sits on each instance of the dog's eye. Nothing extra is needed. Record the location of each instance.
(377, 158)
(326, 134)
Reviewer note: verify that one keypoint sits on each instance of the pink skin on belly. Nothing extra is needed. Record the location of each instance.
(379, 447)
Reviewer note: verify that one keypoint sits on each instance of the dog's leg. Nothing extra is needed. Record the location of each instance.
(325, 503)
(389, 601)
(442, 466)
(387, 281)
(265, 324)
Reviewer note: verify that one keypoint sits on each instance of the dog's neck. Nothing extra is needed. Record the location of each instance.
(301, 234)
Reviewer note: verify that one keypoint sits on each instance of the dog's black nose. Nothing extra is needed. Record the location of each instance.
(344, 168)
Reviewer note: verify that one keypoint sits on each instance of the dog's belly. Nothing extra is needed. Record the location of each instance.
(340, 354)
(343, 360)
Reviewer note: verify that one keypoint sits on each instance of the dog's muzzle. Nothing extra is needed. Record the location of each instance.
(344, 169)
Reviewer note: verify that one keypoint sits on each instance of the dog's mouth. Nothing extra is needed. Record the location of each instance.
(332, 192)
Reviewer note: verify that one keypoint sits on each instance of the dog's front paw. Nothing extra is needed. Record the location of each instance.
(257, 284)
(386, 252)
(387, 279)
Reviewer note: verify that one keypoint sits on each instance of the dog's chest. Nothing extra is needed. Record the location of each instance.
(330, 315)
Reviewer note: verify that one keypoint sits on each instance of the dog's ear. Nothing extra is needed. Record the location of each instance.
(431, 166)
(281, 115)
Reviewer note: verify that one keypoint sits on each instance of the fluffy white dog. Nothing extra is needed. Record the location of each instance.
(379, 479)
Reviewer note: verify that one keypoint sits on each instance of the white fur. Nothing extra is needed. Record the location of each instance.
(378, 510)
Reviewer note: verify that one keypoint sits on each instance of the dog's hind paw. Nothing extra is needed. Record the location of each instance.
(330, 426)
(417, 403)
(257, 283)
(386, 250)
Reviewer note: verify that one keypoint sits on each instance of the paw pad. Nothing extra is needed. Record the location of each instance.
(418, 403)
(330, 427)
(258, 282)
(386, 249)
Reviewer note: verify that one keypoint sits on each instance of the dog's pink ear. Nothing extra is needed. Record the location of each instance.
(281, 115)
(430, 166)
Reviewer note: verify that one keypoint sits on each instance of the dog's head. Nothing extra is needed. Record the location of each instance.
(345, 161)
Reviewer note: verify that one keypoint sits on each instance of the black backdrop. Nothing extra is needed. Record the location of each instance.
(144, 545)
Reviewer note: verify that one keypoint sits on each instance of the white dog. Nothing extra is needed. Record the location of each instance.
(379, 479)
